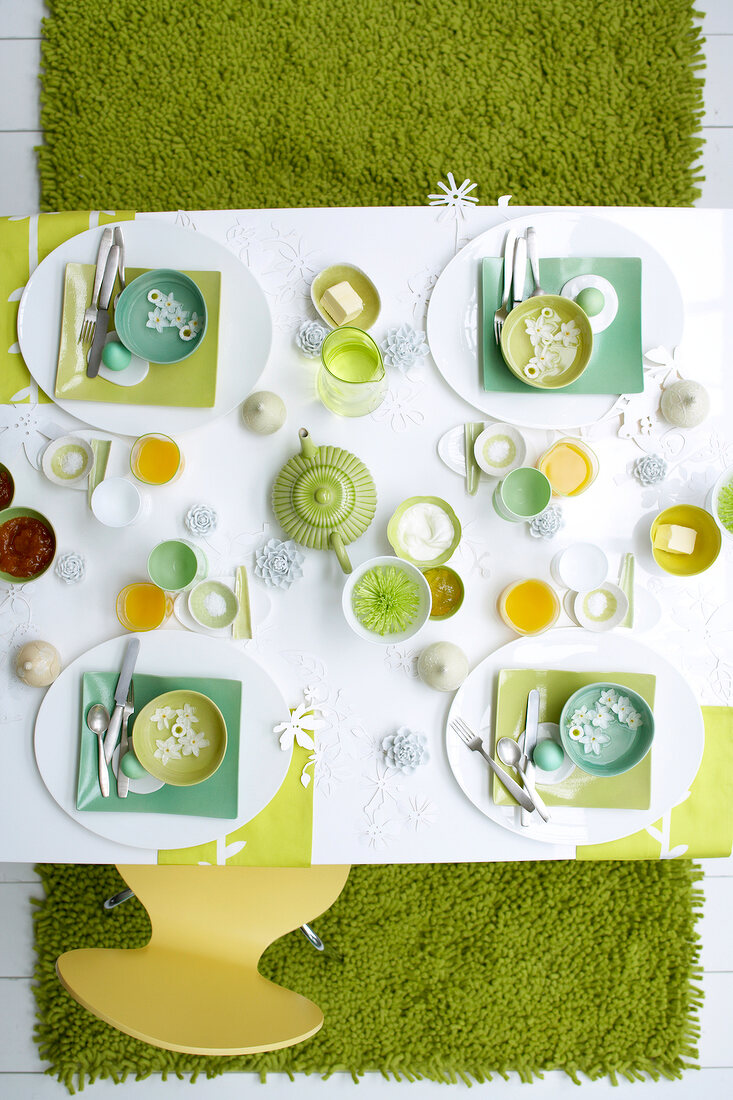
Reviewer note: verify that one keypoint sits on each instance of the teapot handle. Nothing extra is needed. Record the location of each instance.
(336, 543)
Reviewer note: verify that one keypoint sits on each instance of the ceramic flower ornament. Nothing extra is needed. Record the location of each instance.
(201, 519)
(404, 348)
(547, 524)
(310, 337)
(299, 728)
(71, 568)
(405, 750)
(279, 563)
(650, 469)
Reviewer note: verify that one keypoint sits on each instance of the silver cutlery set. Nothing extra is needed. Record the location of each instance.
(514, 754)
(517, 249)
(110, 730)
(110, 266)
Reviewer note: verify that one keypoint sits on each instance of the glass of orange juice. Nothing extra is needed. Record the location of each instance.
(143, 606)
(529, 607)
(570, 466)
(156, 459)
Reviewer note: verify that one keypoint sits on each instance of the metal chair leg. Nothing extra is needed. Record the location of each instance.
(118, 899)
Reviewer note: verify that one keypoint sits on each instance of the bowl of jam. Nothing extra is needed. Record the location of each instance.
(27, 545)
(7, 487)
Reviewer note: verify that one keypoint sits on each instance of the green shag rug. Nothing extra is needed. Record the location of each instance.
(447, 972)
(153, 105)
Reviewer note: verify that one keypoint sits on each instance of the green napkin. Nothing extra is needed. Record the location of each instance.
(701, 826)
(190, 383)
(616, 363)
(216, 797)
(631, 790)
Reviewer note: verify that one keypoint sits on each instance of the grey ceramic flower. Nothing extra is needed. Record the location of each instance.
(404, 348)
(71, 568)
(547, 523)
(279, 563)
(309, 338)
(650, 469)
(201, 520)
(405, 750)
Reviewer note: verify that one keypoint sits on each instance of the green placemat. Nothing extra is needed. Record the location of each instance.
(217, 796)
(628, 791)
(276, 103)
(190, 383)
(616, 362)
(605, 984)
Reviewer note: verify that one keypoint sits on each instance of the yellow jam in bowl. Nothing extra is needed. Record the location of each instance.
(570, 466)
(529, 607)
(156, 459)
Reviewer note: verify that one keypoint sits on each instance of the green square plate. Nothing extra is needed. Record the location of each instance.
(191, 382)
(631, 790)
(217, 796)
(616, 363)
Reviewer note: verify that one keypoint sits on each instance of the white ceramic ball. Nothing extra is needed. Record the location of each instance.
(443, 666)
(38, 664)
(264, 412)
(685, 404)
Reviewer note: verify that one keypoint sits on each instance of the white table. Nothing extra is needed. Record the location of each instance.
(365, 691)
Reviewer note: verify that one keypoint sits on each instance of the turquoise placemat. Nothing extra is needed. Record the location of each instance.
(217, 796)
(616, 363)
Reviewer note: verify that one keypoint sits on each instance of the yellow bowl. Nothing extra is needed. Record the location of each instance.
(707, 543)
(517, 349)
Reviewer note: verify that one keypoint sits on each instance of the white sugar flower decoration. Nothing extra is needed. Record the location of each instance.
(602, 718)
(622, 708)
(299, 727)
(157, 320)
(162, 717)
(607, 698)
(595, 741)
(155, 296)
(634, 720)
(193, 742)
(569, 334)
(455, 199)
(167, 750)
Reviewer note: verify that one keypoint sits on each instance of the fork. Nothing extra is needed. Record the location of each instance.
(503, 311)
(474, 742)
(89, 320)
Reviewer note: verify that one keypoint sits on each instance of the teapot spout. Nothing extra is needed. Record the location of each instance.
(307, 446)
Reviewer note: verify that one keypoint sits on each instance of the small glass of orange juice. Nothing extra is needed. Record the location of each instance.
(570, 466)
(156, 459)
(529, 607)
(143, 606)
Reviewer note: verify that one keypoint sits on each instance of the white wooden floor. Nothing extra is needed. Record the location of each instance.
(20, 1069)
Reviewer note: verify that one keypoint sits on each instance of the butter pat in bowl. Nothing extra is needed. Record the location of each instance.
(345, 295)
(685, 540)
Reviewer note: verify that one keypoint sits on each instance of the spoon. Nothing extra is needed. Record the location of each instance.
(98, 720)
(510, 754)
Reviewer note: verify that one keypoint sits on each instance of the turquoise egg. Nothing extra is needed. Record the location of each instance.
(547, 756)
(132, 767)
(116, 356)
(591, 301)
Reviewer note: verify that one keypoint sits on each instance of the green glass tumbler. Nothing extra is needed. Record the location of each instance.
(351, 379)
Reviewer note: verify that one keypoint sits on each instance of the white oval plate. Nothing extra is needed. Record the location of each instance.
(676, 752)
(245, 327)
(454, 306)
(262, 763)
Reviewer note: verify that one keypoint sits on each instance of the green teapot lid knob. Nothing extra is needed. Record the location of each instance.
(324, 496)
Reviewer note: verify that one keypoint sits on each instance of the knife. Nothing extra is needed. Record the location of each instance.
(120, 242)
(509, 246)
(102, 253)
(123, 684)
(527, 742)
(100, 330)
(520, 270)
(123, 783)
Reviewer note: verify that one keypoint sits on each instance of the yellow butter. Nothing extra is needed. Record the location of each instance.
(675, 539)
(342, 303)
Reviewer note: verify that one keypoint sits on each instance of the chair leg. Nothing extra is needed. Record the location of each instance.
(118, 899)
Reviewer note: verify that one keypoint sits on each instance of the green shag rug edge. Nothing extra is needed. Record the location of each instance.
(423, 921)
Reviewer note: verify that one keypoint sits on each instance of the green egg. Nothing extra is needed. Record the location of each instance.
(116, 356)
(132, 767)
(547, 756)
(591, 301)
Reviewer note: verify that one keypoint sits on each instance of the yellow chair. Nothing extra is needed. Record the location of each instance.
(195, 986)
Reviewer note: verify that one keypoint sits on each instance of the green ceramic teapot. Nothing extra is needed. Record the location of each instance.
(324, 498)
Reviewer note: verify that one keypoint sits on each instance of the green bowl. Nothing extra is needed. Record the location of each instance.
(626, 746)
(394, 523)
(13, 513)
(9, 478)
(188, 770)
(517, 349)
(707, 544)
(133, 307)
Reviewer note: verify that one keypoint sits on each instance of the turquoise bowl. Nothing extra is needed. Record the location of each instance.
(626, 746)
(133, 307)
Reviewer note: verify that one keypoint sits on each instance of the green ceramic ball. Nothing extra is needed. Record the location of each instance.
(116, 356)
(591, 301)
(547, 756)
(132, 767)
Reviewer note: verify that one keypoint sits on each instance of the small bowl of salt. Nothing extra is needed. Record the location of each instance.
(67, 460)
(213, 604)
(601, 608)
(500, 449)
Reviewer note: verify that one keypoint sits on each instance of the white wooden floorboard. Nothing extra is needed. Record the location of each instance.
(21, 18)
(19, 190)
(17, 872)
(20, 63)
(16, 941)
(718, 81)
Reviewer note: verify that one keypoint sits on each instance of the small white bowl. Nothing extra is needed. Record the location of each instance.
(53, 448)
(116, 502)
(613, 604)
(580, 566)
(507, 440)
(423, 611)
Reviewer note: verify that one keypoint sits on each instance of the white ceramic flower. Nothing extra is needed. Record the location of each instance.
(595, 741)
(155, 296)
(157, 320)
(194, 742)
(634, 720)
(299, 727)
(167, 750)
(607, 698)
(162, 717)
(622, 708)
(602, 718)
(569, 334)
